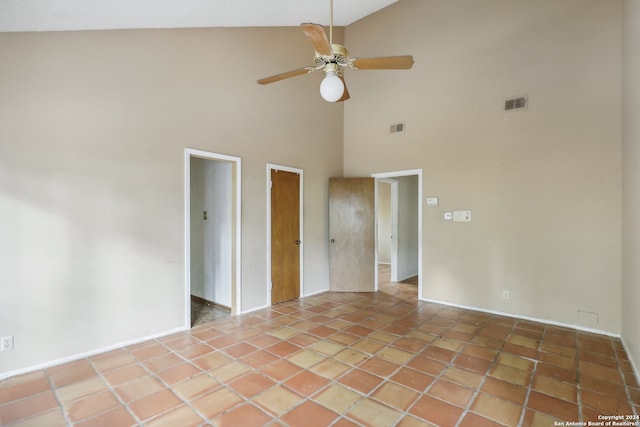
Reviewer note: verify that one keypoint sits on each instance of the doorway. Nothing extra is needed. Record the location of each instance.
(285, 231)
(212, 232)
(387, 226)
(399, 227)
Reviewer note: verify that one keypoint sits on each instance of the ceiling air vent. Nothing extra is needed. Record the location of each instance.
(516, 103)
(396, 127)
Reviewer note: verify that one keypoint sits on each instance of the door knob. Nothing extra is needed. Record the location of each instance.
(298, 242)
(333, 240)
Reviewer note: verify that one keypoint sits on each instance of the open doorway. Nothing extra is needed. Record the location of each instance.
(399, 228)
(212, 236)
(387, 228)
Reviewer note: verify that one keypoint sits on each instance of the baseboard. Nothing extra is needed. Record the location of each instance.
(315, 293)
(5, 375)
(251, 310)
(530, 319)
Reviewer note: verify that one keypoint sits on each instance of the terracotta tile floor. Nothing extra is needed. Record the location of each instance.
(381, 359)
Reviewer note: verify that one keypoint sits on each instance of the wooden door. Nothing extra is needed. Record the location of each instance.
(285, 236)
(352, 234)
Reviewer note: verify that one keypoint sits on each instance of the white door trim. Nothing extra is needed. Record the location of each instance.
(410, 172)
(270, 167)
(236, 307)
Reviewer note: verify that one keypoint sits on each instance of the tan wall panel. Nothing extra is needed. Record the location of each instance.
(93, 127)
(543, 185)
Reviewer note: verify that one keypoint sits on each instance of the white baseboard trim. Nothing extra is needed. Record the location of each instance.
(518, 316)
(251, 310)
(5, 375)
(315, 293)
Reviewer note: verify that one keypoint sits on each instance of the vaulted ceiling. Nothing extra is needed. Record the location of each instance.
(61, 15)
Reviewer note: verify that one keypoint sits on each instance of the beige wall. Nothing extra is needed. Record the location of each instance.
(93, 127)
(544, 185)
(631, 180)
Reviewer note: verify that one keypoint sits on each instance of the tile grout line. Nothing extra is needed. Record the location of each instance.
(245, 400)
(109, 388)
(404, 413)
(353, 367)
(224, 384)
(532, 376)
(529, 388)
(100, 375)
(476, 392)
(578, 380)
(369, 394)
(166, 384)
(63, 409)
(486, 375)
(151, 373)
(278, 382)
(624, 381)
(281, 358)
(51, 389)
(423, 392)
(441, 374)
(407, 412)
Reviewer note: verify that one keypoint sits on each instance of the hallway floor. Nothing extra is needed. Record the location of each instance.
(339, 359)
(202, 313)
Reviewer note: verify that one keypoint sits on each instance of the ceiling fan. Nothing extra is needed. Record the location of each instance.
(332, 58)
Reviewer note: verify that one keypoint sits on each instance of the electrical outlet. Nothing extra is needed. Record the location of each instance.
(6, 343)
(505, 294)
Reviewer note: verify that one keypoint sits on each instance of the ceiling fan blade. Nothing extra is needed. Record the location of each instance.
(318, 37)
(345, 95)
(288, 74)
(403, 62)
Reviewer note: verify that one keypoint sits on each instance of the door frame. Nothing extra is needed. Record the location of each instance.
(300, 172)
(236, 285)
(388, 176)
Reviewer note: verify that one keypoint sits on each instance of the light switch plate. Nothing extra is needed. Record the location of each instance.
(432, 202)
(462, 216)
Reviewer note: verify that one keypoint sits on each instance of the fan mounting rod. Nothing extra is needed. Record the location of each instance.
(331, 24)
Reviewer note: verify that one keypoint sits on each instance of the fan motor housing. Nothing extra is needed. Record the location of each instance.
(340, 56)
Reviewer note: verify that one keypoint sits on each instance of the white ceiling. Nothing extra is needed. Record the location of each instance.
(60, 15)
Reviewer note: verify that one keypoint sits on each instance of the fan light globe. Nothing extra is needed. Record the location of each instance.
(331, 88)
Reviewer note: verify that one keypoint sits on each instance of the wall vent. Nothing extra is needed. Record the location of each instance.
(396, 127)
(516, 103)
